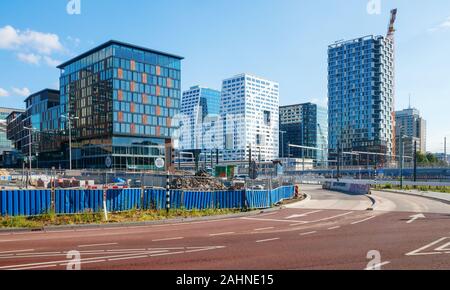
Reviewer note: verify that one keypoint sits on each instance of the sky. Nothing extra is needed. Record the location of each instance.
(281, 40)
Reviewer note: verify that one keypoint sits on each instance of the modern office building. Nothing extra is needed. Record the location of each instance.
(15, 129)
(120, 100)
(250, 115)
(361, 97)
(5, 143)
(304, 125)
(200, 109)
(411, 127)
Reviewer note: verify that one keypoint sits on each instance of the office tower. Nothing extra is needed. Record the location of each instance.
(250, 116)
(121, 100)
(200, 109)
(412, 128)
(304, 125)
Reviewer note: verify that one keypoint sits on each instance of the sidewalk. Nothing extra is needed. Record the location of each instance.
(440, 196)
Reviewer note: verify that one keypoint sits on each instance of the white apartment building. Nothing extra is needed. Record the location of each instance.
(250, 115)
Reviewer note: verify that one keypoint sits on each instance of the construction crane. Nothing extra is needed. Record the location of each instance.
(391, 29)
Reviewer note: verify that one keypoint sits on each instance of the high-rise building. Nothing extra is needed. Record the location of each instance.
(361, 96)
(412, 128)
(250, 116)
(5, 143)
(304, 125)
(200, 109)
(121, 100)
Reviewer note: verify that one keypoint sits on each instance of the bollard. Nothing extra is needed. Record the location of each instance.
(105, 211)
(168, 193)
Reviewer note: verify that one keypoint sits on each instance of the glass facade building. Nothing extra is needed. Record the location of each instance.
(304, 125)
(361, 96)
(5, 143)
(200, 111)
(121, 99)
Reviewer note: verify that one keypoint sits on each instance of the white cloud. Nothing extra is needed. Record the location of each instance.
(24, 92)
(29, 40)
(3, 93)
(442, 26)
(30, 58)
(51, 62)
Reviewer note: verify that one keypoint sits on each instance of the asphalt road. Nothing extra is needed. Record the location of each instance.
(329, 231)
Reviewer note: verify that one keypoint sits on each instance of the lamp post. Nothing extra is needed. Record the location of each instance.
(69, 121)
(282, 143)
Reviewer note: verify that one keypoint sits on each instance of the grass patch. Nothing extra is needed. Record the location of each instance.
(443, 189)
(89, 217)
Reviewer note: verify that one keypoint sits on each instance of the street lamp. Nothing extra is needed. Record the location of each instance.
(69, 121)
(282, 143)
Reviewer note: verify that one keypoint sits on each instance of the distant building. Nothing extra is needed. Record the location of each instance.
(412, 127)
(5, 143)
(200, 111)
(304, 125)
(361, 97)
(250, 115)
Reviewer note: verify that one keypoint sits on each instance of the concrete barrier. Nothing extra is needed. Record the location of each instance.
(346, 187)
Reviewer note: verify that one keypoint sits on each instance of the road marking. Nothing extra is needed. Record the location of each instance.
(303, 215)
(271, 220)
(308, 233)
(221, 234)
(97, 245)
(267, 240)
(418, 251)
(264, 229)
(378, 266)
(104, 259)
(17, 251)
(334, 228)
(168, 239)
(364, 220)
(415, 217)
(321, 220)
(35, 267)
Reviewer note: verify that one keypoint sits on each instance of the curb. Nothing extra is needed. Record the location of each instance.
(143, 224)
(414, 194)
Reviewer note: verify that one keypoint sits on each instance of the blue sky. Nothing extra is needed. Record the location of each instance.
(283, 40)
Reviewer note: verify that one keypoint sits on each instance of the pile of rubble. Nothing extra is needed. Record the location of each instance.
(202, 181)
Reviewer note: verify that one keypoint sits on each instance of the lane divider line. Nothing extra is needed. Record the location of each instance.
(364, 220)
(334, 228)
(264, 229)
(221, 234)
(97, 245)
(168, 239)
(267, 240)
(308, 233)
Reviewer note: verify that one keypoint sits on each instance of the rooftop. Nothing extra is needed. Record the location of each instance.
(112, 42)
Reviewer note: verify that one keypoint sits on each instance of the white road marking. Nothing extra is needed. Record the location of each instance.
(168, 239)
(417, 252)
(17, 251)
(104, 259)
(302, 215)
(378, 266)
(35, 267)
(324, 219)
(264, 229)
(334, 228)
(415, 217)
(364, 220)
(308, 233)
(221, 234)
(270, 220)
(97, 245)
(267, 240)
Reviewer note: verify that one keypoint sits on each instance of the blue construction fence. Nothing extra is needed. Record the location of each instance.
(38, 202)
